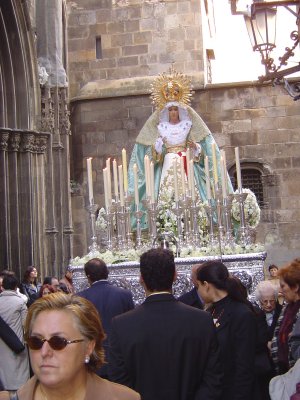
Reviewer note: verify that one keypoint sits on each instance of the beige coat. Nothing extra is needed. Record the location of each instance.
(97, 389)
(14, 368)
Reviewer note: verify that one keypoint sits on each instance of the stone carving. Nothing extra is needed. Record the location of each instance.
(14, 141)
(4, 140)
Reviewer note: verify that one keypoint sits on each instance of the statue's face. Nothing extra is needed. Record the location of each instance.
(173, 114)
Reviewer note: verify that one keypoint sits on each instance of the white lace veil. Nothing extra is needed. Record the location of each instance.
(183, 112)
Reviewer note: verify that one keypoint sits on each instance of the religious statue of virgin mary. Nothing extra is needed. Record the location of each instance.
(174, 132)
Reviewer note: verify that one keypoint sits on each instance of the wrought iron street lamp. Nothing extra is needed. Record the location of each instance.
(261, 25)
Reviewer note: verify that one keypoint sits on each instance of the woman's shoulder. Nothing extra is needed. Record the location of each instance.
(107, 389)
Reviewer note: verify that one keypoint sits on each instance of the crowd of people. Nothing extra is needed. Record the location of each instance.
(210, 343)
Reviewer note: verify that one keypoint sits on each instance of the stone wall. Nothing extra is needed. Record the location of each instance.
(138, 38)
(263, 121)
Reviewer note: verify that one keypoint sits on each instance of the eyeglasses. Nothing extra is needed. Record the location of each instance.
(265, 302)
(55, 342)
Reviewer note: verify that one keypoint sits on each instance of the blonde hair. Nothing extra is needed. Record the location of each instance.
(85, 316)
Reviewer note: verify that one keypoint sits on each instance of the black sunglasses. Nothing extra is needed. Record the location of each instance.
(55, 342)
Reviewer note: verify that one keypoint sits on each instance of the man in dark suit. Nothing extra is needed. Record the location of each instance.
(165, 349)
(109, 300)
(192, 297)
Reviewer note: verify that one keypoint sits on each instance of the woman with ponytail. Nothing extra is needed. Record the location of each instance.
(236, 328)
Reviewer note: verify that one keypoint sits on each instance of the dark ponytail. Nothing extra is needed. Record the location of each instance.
(216, 273)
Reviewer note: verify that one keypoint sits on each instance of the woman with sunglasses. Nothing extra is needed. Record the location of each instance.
(64, 335)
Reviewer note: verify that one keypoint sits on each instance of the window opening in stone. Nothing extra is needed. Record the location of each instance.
(251, 179)
(98, 48)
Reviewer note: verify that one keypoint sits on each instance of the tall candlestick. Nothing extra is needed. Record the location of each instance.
(106, 197)
(224, 193)
(108, 179)
(136, 187)
(192, 183)
(215, 165)
(90, 180)
(175, 179)
(121, 183)
(152, 191)
(125, 172)
(207, 178)
(238, 168)
(182, 176)
(115, 174)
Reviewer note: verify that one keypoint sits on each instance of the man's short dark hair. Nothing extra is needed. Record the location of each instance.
(10, 282)
(157, 268)
(96, 269)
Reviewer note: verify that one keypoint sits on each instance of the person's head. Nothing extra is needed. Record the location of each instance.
(2, 275)
(51, 322)
(273, 270)
(10, 282)
(215, 282)
(266, 294)
(173, 114)
(53, 281)
(212, 277)
(95, 270)
(46, 289)
(30, 275)
(69, 273)
(157, 269)
(290, 281)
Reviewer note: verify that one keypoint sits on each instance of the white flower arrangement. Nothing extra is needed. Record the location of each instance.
(251, 209)
(166, 218)
(101, 222)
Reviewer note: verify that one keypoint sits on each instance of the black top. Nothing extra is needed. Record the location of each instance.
(236, 331)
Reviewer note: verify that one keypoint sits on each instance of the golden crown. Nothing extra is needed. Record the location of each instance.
(172, 86)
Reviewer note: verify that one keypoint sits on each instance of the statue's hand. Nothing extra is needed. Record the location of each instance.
(158, 145)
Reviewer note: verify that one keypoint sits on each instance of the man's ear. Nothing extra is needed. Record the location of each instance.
(175, 276)
(141, 280)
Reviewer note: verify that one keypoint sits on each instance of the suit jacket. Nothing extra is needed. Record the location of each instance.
(97, 389)
(166, 350)
(236, 327)
(110, 301)
(191, 298)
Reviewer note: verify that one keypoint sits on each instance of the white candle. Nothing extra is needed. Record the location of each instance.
(175, 179)
(215, 165)
(188, 159)
(224, 193)
(108, 179)
(207, 178)
(121, 183)
(105, 188)
(152, 190)
(225, 169)
(238, 168)
(182, 173)
(147, 175)
(115, 174)
(136, 188)
(90, 180)
(125, 172)
(192, 179)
